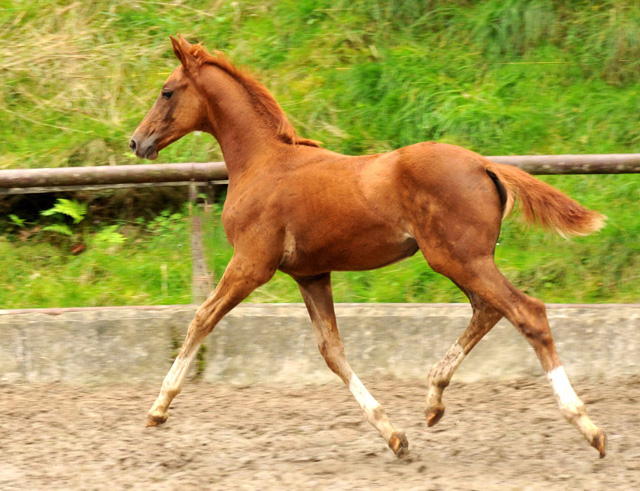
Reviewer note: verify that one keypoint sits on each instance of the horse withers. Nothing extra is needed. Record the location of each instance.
(296, 207)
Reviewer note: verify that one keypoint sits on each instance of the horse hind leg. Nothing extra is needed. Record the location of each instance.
(318, 298)
(484, 318)
(532, 322)
(528, 315)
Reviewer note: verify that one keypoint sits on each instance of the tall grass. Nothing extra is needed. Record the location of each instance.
(513, 76)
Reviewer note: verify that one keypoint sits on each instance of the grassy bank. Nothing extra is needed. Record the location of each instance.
(150, 264)
(499, 77)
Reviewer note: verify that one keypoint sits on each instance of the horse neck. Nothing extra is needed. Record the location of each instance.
(243, 134)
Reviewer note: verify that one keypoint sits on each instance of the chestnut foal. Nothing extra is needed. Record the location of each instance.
(304, 210)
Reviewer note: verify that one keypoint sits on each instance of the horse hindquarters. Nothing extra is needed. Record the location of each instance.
(456, 225)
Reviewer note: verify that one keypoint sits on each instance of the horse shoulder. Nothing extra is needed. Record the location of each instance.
(248, 207)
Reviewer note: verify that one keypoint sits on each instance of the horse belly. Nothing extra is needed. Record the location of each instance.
(379, 256)
(354, 253)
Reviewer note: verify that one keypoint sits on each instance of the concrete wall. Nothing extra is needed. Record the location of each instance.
(269, 343)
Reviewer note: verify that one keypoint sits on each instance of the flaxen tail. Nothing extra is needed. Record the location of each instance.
(544, 205)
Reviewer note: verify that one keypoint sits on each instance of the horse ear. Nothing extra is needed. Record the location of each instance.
(182, 50)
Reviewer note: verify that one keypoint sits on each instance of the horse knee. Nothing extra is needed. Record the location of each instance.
(334, 357)
(199, 324)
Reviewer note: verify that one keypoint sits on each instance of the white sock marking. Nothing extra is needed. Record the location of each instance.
(565, 394)
(366, 400)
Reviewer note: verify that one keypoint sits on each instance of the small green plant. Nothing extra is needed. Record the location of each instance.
(65, 208)
(108, 236)
(165, 222)
(15, 222)
(73, 211)
(59, 228)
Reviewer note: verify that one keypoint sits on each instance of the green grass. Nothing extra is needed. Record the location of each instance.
(152, 267)
(497, 76)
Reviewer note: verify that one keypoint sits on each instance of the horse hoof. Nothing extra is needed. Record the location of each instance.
(399, 444)
(599, 442)
(156, 420)
(434, 414)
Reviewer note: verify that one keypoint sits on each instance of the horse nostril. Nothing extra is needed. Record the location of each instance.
(133, 145)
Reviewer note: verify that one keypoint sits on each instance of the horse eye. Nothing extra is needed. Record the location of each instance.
(166, 94)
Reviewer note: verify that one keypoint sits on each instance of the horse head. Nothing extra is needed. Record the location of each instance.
(179, 108)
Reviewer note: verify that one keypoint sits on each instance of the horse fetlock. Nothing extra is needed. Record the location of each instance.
(172, 392)
(438, 382)
(576, 414)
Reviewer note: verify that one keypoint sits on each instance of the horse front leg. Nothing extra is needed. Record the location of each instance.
(239, 280)
(318, 298)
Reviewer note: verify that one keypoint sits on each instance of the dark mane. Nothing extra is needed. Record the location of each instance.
(259, 94)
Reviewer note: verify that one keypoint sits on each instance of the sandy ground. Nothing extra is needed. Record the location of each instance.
(494, 436)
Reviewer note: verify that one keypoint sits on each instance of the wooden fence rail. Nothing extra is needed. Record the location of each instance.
(24, 181)
(615, 163)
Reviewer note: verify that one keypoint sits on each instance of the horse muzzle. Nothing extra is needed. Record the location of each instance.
(143, 149)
